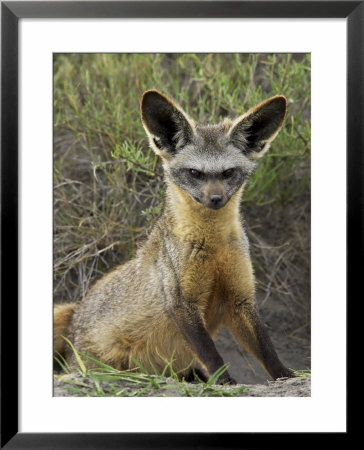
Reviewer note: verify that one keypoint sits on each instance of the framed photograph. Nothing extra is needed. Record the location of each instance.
(70, 71)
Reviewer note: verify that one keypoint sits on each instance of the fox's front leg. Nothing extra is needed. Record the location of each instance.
(251, 332)
(188, 320)
(183, 292)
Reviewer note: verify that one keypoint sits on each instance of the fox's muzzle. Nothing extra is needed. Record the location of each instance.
(214, 195)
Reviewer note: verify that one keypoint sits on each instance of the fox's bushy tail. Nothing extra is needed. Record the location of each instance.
(63, 313)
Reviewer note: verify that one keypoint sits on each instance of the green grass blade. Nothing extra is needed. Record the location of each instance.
(77, 356)
(216, 375)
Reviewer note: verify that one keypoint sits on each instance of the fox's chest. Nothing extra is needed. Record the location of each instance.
(212, 270)
(214, 277)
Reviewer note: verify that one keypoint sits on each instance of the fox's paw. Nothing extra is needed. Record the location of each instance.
(287, 373)
(226, 379)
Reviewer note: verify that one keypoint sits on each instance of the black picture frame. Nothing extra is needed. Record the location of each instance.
(11, 12)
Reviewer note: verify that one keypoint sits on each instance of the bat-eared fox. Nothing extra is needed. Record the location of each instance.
(193, 274)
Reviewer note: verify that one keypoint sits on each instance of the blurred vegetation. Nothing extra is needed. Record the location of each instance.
(108, 184)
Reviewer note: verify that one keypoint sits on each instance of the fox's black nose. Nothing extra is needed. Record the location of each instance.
(215, 199)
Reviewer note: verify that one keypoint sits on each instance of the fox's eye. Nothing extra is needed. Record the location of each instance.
(195, 173)
(228, 173)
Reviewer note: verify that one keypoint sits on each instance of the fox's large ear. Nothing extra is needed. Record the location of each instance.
(167, 125)
(253, 132)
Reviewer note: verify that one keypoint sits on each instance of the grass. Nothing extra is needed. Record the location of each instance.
(105, 381)
(108, 184)
(132, 385)
(303, 373)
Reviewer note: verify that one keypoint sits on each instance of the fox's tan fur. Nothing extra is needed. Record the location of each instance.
(62, 316)
(193, 274)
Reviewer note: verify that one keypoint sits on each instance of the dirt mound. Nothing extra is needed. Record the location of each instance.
(76, 386)
(292, 387)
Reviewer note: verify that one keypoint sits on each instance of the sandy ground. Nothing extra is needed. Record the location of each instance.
(292, 387)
